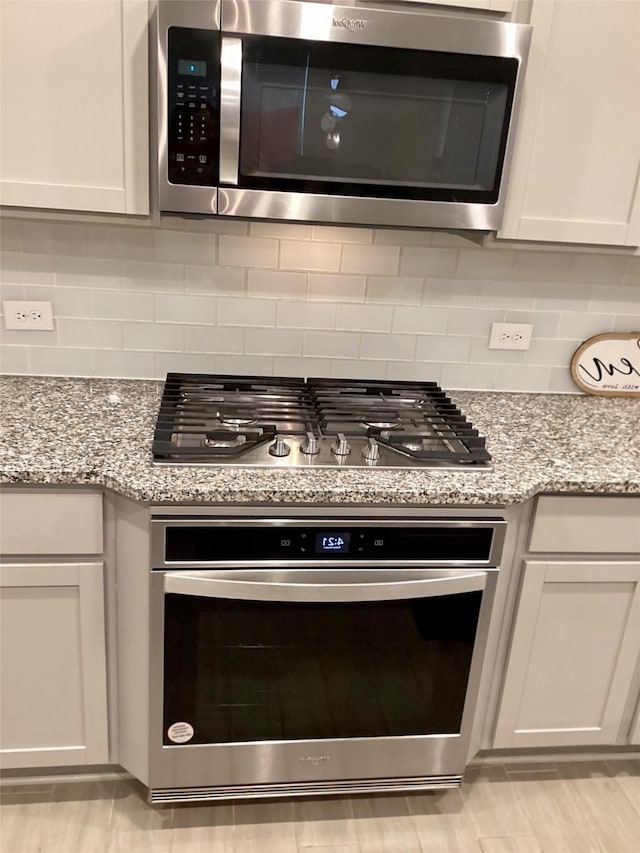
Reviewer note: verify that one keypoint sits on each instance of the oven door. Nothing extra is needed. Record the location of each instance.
(330, 120)
(305, 681)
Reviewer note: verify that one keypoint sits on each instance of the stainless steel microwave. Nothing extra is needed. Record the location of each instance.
(305, 111)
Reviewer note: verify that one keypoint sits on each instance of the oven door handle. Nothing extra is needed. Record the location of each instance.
(323, 586)
(230, 99)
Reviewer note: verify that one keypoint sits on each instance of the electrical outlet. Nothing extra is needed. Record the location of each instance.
(28, 316)
(510, 335)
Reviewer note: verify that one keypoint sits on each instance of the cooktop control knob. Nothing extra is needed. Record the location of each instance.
(340, 446)
(371, 451)
(310, 445)
(279, 447)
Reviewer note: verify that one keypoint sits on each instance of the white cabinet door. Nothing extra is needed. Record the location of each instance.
(576, 165)
(574, 651)
(53, 698)
(74, 104)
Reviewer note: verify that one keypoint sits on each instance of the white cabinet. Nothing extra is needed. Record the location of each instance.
(576, 164)
(53, 685)
(575, 645)
(574, 651)
(74, 105)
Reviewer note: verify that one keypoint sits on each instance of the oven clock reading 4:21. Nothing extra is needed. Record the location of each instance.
(335, 543)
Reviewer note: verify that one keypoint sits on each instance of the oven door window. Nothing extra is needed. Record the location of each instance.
(373, 121)
(239, 671)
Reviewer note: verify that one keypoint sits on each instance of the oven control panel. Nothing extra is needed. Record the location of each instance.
(193, 86)
(466, 542)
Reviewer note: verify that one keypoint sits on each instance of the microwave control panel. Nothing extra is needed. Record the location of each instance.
(193, 87)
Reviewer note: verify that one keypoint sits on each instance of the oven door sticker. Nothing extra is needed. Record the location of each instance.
(180, 732)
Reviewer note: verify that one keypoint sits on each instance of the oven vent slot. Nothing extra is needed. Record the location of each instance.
(301, 789)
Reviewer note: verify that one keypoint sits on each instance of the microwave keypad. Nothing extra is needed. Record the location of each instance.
(193, 118)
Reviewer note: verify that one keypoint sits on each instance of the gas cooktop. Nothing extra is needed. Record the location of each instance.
(290, 422)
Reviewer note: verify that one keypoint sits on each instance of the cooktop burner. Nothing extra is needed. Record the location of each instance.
(290, 422)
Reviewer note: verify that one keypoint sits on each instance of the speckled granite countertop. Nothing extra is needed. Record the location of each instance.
(99, 431)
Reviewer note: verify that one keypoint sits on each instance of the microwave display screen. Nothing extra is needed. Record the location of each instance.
(192, 67)
(355, 120)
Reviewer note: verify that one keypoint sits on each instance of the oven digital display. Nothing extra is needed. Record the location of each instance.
(332, 543)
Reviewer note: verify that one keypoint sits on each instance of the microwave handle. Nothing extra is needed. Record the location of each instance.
(325, 587)
(230, 97)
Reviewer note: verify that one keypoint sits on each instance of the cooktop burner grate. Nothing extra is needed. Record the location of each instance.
(286, 421)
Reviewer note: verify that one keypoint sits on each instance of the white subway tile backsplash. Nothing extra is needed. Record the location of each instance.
(414, 372)
(181, 362)
(579, 326)
(522, 377)
(594, 268)
(507, 294)
(284, 365)
(388, 347)
(108, 304)
(58, 361)
(486, 265)
(246, 312)
(133, 365)
(405, 237)
(273, 342)
(247, 252)
(337, 288)
(395, 290)
(331, 344)
(558, 296)
(213, 339)
(183, 308)
(427, 262)
(364, 318)
(229, 296)
(561, 381)
(616, 299)
(443, 348)
(360, 369)
(545, 351)
(545, 323)
(420, 320)
(284, 230)
(14, 360)
(451, 291)
(307, 256)
(183, 247)
(254, 365)
(474, 323)
(306, 315)
(89, 334)
(276, 284)
(226, 281)
(461, 376)
(375, 260)
(339, 234)
(153, 337)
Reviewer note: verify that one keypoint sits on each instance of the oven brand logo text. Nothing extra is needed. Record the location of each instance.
(350, 24)
(314, 759)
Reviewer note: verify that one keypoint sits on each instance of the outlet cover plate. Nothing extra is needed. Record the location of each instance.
(510, 335)
(28, 316)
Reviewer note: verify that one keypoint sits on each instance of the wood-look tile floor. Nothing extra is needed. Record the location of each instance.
(581, 807)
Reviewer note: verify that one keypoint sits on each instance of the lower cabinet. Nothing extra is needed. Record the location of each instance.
(574, 651)
(53, 701)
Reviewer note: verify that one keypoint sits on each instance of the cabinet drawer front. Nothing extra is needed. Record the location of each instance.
(50, 522)
(582, 525)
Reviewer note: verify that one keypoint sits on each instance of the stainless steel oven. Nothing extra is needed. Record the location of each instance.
(315, 655)
(299, 110)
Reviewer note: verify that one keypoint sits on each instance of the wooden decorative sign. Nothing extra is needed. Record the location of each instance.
(608, 365)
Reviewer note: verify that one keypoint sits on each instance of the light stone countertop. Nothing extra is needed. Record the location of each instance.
(99, 432)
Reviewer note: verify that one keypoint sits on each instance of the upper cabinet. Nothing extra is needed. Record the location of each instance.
(74, 105)
(577, 156)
